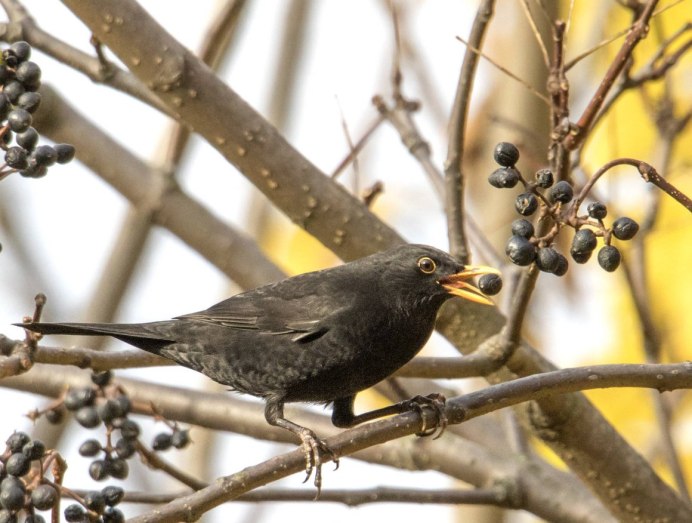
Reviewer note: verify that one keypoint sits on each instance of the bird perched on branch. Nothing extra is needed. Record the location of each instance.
(319, 337)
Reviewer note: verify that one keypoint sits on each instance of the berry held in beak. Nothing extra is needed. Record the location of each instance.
(458, 284)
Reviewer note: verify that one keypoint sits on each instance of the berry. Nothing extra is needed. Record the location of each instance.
(526, 204)
(561, 192)
(562, 266)
(13, 90)
(113, 495)
(12, 496)
(44, 155)
(78, 398)
(28, 73)
(95, 501)
(98, 470)
(181, 438)
(520, 250)
(34, 171)
(88, 417)
(90, 448)
(597, 210)
(580, 256)
(124, 448)
(129, 429)
(544, 178)
(547, 259)
(522, 227)
(5, 106)
(65, 153)
(34, 518)
(609, 258)
(7, 516)
(162, 441)
(118, 468)
(55, 416)
(28, 139)
(16, 158)
(625, 228)
(19, 120)
(109, 410)
(34, 449)
(17, 440)
(504, 178)
(113, 515)
(29, 101)
(17, 464)
(584, 241)
(506, 154)
(75, 513)
(44, 497)
(21, 49)
(489, 284)
(102, 378)
(125, 404)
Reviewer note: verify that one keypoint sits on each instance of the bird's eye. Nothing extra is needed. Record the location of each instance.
(427, 265)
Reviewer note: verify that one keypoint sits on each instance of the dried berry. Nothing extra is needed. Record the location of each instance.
(625, 228)
(506, 154)
(504, 178)
(547, 259)
(544, 178)
(520, 250)
(90, 448)
(609, 258)
(562, 192)
(526, 204)
(584, 241)
(44, 497)
(597, 210)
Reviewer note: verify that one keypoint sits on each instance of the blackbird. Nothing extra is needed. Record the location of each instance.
(319, 337)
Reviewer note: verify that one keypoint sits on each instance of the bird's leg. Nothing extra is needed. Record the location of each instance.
(343, 416)
(313, 446)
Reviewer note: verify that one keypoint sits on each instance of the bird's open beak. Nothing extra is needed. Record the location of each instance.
(458, 285)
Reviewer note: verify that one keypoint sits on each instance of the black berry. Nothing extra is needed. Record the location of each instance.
(625, 228)
(489, 284)
(12, 495)
(506, 154)
(162, 441)
(129, 429)
(181, 438)
(109, 410)
(580, 256)
(29, 101)
(522, 227)
(28, 139)
(13, 90)
(22, 50)
(44, 497)
(609, 258)
(28, 73)
(95, 501)
(562, 266)
(78, 398)
(17, 464)
(17, 441)
(584, 241)
(597, 210)
(124, 448)
(547, 259)
(34, 449)
(113, 515)
(19, 120)
(90, 448)
(520, 250)
(504, 178)
(112, 495)
(16, 158)
(98, 470)
(562, 192)
(102, 378)
(75, 513)
(118, 468)
(526, 204)
(88, 417)
(44, 155)
(544, 178)
(55, 416)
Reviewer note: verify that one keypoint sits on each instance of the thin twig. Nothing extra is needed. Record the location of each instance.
(453, 175)
(536, 33)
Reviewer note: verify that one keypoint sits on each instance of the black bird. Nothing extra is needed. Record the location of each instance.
(319, 337)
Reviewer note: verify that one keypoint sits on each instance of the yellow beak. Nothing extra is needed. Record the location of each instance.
(458, 285)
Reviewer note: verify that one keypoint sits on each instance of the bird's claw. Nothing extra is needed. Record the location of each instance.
(314, 449)
(435, 402)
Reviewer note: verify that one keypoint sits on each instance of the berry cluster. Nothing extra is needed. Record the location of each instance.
(97, 505)
(23, 487)
(20, 79)
(557, 201)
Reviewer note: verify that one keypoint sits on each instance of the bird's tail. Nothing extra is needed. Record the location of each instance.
(142, 335)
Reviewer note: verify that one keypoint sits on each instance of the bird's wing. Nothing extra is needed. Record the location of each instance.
(302, 316)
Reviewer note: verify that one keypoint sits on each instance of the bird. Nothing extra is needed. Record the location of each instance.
(320, 337)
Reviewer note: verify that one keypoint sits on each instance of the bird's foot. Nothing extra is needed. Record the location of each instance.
(423, 404)
(315, 449)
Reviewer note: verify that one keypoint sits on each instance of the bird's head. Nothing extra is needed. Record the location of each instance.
(424, 274)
